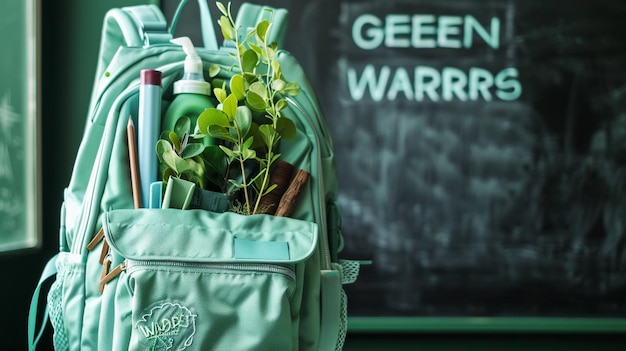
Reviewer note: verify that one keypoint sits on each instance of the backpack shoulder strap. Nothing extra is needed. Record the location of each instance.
(249, 15)
(49, 271)
(133, 26)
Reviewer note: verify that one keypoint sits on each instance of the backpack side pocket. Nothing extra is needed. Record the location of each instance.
(65, 301)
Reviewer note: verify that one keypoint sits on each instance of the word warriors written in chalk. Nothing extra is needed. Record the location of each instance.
(425, 83)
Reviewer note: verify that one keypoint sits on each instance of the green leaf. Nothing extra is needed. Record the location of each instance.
(234, 134)
(257, 49)
(262, 29)
(281, 105)
(175, 162)
(194, 167)
(249, 60)
(279, 85)
(221, 7)
(269, 53)
(230, 153)
(269, 189)
(255, 101)
(175, 141)
(218, 83)
(227, 29)
(214, 70)
(241, 49)
(165, 135)
(167, 173)
(243, 119)
(220, 94)
(250, 77)
(192, 150)
(235, 183)
(229, 106)
(200, 161)
(278, 73)
(271, 111)
(248, 154)
(268, 133)
(274, 158)
(182, 126)
(259, 89)
(215, 159)
(219, 132)
(210, 117)
(161, 147)
(292, 88)
(286, 128)
(248, 143)
(238, 86)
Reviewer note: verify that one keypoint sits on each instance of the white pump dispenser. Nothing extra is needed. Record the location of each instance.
(193, 79)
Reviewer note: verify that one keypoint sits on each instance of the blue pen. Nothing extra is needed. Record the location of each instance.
(148, 129)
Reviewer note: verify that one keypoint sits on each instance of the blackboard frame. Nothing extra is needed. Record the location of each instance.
(29, 131)
(486, 324)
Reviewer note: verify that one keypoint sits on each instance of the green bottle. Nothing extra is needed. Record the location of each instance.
(192, 91)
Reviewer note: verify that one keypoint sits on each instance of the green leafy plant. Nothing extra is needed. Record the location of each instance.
(181, 155)
(257, 88)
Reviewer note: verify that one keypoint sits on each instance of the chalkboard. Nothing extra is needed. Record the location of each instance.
(481, 150)
(19, 189)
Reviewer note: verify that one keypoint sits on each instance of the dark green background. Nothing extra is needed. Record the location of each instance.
(70, 36)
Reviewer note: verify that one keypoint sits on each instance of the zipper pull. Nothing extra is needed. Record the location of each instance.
(96, 240)
(112, 274)
(106, 250)
(106, 266)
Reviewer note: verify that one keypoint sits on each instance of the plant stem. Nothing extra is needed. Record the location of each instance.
(226, 176)
(266, 180)
(245, 185)
(269, 78)
(234, 25)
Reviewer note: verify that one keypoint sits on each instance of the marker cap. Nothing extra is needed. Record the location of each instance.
(150, 77)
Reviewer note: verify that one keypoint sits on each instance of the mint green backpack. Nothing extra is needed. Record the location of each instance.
(169, 279)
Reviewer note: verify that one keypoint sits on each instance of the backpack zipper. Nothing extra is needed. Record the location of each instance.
(133, 265)
(130, 266)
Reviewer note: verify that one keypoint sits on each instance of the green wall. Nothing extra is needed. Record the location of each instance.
(70, 37)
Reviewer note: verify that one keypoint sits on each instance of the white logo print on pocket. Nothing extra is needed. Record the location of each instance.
(166, 326)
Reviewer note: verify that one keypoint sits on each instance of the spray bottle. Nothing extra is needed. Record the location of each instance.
(192, 91)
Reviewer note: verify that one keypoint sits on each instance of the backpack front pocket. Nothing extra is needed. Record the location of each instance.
(210, 306)
(199, 280)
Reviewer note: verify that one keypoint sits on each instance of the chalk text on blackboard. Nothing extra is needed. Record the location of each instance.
(423, 31)
(452, 36)
(429, 83)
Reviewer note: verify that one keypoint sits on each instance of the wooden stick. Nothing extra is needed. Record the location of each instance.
(134, 168)
(281, 176)
(289, 199)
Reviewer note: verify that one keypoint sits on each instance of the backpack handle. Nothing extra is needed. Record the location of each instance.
(133, 26)
(249, 15)
(206, 23)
